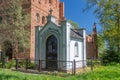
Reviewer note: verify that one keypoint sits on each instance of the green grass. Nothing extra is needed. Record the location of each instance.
(111, 72)
(102, 73)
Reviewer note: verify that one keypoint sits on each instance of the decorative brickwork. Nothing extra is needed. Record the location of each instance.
(42, 8)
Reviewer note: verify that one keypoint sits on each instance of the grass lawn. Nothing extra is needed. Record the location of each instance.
(100, 73)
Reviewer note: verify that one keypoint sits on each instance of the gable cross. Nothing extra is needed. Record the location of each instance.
(50, 11)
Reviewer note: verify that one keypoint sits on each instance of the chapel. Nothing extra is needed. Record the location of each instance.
(52, 37)
(60, 44)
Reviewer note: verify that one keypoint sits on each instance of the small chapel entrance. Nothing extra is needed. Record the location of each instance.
(51, 52)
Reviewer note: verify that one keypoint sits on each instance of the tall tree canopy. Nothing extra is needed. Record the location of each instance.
(15, 24)
(108, 12)
(74, 24)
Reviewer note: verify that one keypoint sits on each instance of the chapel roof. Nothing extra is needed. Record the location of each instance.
(75, 34)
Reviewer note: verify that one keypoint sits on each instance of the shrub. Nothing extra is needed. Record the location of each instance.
(0, 64)
(10, 64)
(31, 65)
(110, 57)
(22, 63)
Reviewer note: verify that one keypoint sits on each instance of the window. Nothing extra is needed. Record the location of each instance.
(50, 1)
(37, 17)
(43, 20)
(52, 44)
(76, 50)
(0, 1)
(0, 19)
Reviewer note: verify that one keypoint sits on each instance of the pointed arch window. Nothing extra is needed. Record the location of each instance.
(39, 1)
(52, 44)
(43, 20)
(37, 17)
(0, 19)
(50, 1)
(76, 49)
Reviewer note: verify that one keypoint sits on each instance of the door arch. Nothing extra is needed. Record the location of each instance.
(7, 49)
(51, 52)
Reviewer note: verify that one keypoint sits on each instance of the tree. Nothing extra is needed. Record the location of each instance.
(15, 25)
(108, 12)
(74, 24)
(101, 43)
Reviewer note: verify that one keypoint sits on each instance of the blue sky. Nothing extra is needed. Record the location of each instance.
(74, 12)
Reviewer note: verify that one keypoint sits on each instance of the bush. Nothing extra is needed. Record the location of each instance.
(0, 64)
(10, 64)
(110, 57)
(22, 63)
(31, 65)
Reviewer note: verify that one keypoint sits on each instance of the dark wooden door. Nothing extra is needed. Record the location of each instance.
(51, 52)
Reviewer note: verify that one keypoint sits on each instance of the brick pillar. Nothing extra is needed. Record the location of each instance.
(61, 12)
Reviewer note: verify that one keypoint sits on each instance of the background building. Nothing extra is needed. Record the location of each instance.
(91, 44)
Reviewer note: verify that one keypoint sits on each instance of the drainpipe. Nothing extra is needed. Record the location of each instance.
(84, 47)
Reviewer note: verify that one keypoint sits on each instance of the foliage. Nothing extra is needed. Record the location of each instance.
(10, 64)
(15, 26)
(74, 24)
(110, 57)
(0, 64)
(108, 12)
(110, 72)
(101, 43)
(102, 73)
(22, 63)
(31, 65)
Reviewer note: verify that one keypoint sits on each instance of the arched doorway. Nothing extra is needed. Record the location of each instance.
(7, 49)
(51, 52)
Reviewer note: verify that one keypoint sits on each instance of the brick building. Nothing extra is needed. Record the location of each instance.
(38, 10)
(91, 44)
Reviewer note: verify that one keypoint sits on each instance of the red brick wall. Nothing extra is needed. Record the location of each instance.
(42, 7)
(91, 47)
